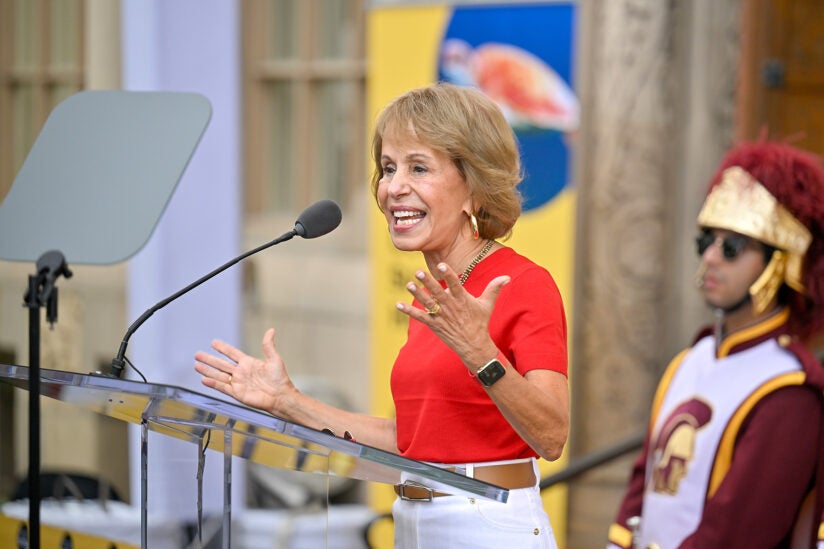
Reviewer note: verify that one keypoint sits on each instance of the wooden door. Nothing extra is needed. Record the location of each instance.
(782, 84)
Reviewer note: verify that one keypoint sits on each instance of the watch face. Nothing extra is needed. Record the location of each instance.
(491, 372)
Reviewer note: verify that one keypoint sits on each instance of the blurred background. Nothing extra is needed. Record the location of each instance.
(648, 96)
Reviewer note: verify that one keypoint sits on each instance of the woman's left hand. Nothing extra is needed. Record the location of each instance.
(457, 317)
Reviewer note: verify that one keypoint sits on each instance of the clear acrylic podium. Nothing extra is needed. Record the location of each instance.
(235, 430)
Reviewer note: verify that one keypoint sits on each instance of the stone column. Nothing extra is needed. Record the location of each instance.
(657, 87)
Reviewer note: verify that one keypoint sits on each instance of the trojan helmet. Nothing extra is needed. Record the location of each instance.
(774, 193)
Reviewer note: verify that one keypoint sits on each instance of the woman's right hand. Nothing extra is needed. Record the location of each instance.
(262, 384)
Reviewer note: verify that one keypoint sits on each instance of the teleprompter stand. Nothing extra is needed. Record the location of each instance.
(235, 430)
(42, 292)
(92, 189)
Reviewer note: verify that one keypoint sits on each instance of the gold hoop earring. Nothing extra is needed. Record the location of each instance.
(473, 222)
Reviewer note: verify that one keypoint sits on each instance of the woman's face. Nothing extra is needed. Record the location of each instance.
(423, 196)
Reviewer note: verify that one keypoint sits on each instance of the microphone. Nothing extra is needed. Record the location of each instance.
(316, 220)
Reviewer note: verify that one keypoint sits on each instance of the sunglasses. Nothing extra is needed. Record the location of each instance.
(731, 246)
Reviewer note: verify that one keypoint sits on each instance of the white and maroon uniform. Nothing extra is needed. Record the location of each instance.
(734, 446)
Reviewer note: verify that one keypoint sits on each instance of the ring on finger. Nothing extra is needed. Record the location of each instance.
(434, 309)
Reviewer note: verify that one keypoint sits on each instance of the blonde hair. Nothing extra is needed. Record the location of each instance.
(466, 125)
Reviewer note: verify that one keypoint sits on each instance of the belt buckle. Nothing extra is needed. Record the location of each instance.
(411, 484)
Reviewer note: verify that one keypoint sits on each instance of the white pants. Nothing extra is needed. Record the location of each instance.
(459, 521)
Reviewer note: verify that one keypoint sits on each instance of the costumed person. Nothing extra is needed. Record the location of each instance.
(480, 386)
(733, 455)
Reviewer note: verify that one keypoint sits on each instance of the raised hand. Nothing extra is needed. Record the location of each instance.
(457, 317)
(262, 384)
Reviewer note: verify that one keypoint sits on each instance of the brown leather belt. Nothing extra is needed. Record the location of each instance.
(506, 475)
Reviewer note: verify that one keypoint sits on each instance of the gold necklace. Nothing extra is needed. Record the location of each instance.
(474, 262)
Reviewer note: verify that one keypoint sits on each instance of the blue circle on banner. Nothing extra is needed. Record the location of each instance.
(521, 56)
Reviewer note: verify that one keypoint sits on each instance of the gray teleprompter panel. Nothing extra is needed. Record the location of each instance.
(100, 174)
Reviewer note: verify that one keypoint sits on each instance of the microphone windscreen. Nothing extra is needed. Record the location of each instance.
(318, 219)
